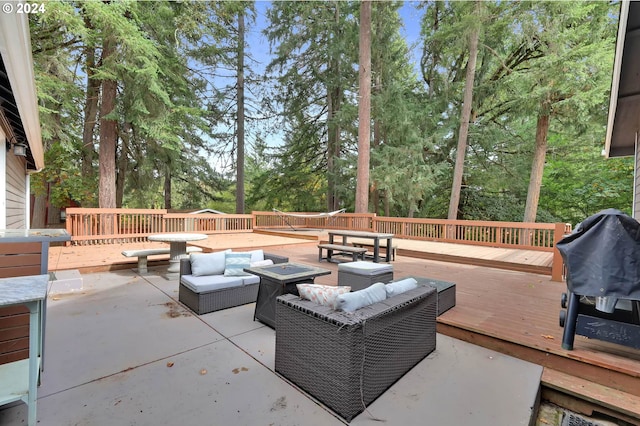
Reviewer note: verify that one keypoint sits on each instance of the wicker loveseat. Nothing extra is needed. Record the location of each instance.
(346, 360)
(209, 293)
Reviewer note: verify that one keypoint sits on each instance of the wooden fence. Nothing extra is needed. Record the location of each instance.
(107, 226)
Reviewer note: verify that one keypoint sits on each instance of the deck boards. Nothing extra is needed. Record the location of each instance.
(509, 311)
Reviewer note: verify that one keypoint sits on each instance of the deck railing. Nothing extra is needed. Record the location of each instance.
(524, 236)
(110, 226)
(107, 226)
(274, 220)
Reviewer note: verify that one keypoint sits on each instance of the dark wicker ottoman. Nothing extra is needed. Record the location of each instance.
(346, 360)
(359, 275)
(446, 293)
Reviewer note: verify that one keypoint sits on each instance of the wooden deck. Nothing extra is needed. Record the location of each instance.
(534, 261)
(509, 311)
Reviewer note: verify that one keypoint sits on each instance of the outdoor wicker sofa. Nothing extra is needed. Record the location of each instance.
(204, 294)
(346, 360)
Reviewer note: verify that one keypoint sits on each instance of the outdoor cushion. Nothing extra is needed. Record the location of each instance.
(322, 294)
(208, 263)
(235, 263)
(401, 286)
(349, 302)
(203, 284)
(256, 255)
(365, 268)
(265, 262)
(250, 279)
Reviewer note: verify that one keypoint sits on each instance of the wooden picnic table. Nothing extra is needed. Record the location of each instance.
(375, 236)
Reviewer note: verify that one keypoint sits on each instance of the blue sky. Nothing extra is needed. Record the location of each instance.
(259, 46)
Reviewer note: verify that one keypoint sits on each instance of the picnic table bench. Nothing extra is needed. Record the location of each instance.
(356, 252)
(142, 255)
(370, 247)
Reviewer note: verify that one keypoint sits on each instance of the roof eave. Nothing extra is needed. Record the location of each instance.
(615, 82)
(15, 48)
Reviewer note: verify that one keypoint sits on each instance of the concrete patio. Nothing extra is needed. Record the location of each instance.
(123, 351)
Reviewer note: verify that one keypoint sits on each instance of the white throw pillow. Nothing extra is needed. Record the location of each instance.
(397, 287)
(208, 263)
(322, 294)
(349, 302)
(265, 262)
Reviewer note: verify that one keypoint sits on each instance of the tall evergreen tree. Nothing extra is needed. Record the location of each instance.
(364, 109)
(315, 49)
(465, 115)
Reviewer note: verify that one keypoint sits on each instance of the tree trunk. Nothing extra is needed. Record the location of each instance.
(240, 119)
(108, 139)
(537, 167)
(167, 187)
(90, 112)
(377, 68)
(334, 99)
(377, 138)
(38, 218)
(334, 102)
(123, 161)
(458, 170)
(53, 216)
(387, 205)
(364, 109)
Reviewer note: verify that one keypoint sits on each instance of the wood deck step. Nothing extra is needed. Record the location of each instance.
(589, 396)
(470, 260)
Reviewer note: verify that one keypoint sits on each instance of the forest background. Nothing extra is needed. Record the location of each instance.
(176, 105)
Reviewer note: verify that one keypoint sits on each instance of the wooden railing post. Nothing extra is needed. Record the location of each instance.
(557, 265)
(68, 223)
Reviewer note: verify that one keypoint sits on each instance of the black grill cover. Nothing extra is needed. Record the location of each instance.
(602, 256)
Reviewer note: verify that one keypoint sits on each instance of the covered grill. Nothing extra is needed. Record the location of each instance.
(602, 259)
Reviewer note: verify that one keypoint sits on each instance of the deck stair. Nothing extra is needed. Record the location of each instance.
(587, 397)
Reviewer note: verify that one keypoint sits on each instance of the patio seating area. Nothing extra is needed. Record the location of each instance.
(124, 351)
(139, 332)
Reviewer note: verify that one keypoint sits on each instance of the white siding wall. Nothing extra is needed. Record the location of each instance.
(3, 182)
(15, 191)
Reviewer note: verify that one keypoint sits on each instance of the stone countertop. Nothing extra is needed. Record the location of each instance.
(31, 235)
(16, 290)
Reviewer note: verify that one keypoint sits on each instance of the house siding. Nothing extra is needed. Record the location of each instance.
(16, 189)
